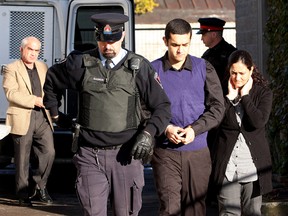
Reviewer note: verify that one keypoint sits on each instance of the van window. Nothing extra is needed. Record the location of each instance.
(84, 29)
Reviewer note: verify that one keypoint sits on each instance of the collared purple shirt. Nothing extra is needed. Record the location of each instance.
(193, 100)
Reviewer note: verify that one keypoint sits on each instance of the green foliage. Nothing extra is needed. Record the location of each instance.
(276, 35)
(144, 6)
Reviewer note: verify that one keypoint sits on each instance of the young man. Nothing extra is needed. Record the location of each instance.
(181, 160)
(31, 125)
(112, 82)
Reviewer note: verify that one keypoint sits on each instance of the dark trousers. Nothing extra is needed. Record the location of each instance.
(236, 199)
(108, 174)
(181, 181)
(40, 138)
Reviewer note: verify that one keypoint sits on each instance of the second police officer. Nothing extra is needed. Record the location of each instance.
(219, 50)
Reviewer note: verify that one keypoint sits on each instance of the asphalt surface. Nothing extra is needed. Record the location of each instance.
(61, 189)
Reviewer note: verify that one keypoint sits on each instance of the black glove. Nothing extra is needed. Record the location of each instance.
(63, 121)
(143, 146)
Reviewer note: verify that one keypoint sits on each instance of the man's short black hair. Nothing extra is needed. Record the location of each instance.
(177, 26)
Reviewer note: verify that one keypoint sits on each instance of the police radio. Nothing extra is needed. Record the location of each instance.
(134, 64)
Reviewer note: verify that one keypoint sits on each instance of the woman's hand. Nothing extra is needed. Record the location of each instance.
(247, 87)
(232, 91)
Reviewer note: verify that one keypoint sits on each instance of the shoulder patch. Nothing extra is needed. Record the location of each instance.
(157, 79)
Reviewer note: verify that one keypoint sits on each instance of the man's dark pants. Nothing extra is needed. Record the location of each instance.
(108, 174)
(181, 181)
(40, 138)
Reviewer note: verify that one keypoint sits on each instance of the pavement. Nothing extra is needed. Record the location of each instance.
(61, 189)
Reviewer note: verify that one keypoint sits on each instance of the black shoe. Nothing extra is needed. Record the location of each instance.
(32, 193)
(44, 197)
(25, 202)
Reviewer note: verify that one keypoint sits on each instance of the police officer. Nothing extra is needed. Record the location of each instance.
(219, 50)
(113, 84)
(218, 53)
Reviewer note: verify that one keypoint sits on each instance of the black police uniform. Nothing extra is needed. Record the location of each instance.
(218, 57)
(104, 162)
(219, 54)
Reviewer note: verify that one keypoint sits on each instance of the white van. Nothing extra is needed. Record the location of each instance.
(61, 26)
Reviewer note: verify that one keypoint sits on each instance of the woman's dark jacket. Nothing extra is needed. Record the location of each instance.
(257, 107)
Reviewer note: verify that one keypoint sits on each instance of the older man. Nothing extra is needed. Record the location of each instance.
(30, 122)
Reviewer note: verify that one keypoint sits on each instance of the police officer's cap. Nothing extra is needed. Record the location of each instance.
(109, 26)
(210, 24)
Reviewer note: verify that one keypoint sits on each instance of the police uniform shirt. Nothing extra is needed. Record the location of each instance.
(218, 57)
(69, 75)
(116, 59)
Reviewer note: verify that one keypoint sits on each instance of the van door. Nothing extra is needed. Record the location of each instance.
(18, 22)
(80, 28)
(80, 33)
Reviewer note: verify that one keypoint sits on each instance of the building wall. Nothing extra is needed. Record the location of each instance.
(149, 42)
(250, 26)
(150, 26)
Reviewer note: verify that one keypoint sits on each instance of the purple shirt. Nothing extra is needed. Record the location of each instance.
(187, 91)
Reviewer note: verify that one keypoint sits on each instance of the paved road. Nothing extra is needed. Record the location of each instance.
(65, 200)
(61, 188)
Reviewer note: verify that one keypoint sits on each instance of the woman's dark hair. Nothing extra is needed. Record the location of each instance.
(244, 57)
(177, 26)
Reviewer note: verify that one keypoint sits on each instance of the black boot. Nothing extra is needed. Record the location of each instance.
(44, 196)
(41, 195)
(25, 202)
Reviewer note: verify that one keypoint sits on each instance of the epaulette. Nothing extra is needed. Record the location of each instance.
(61, 61)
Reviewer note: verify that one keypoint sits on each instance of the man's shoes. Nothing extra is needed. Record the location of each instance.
(33, 192)
(43, 196)
(25, 202)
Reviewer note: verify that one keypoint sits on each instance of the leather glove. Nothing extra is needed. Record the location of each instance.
(63, 121)
(143, 146)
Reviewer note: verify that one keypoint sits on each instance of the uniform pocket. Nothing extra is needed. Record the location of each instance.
(136, 194)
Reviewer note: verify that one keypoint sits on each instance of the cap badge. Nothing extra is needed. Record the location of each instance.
(107, 29)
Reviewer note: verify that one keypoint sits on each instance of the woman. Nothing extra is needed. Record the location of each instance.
(241, 157)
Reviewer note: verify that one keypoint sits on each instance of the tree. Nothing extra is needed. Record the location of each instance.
(144, 6)
(277, 37)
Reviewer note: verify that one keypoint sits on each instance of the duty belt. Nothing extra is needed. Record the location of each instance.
(106, 147)
(85, 143)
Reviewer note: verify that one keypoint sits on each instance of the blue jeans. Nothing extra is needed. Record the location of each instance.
(235, 199)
